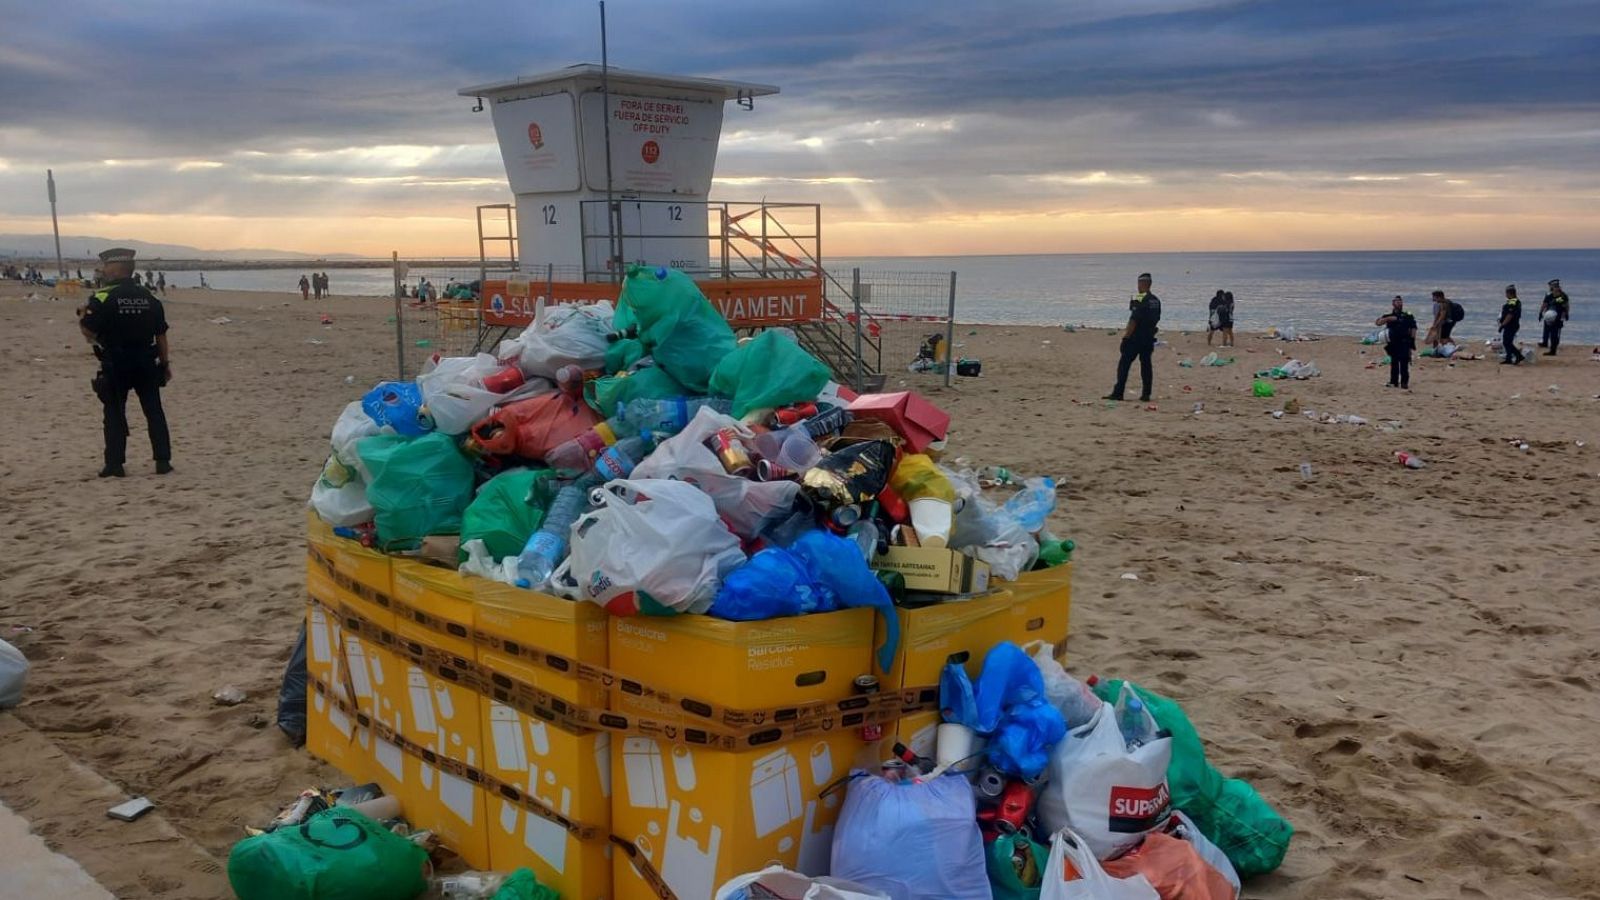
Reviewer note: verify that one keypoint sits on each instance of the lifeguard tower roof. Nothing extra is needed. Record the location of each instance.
(621, 81)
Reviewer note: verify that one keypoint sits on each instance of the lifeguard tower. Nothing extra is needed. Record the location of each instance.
(582, 216)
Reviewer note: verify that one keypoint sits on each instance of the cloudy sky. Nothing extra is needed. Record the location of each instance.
(926, 128)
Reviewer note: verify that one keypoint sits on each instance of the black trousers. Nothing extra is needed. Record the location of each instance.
(147, 385)
(1552, 335)
(1508, 341)
(1400, 368)
(1131, 350)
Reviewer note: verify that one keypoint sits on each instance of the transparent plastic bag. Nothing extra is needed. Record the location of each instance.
(453, 391)
(911, 840)
(565, 335)
(746, 505)
(344, 505)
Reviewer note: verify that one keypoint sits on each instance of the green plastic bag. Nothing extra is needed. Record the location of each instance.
(524, 885)
(768, 371)
(1228, 811)
(335, 854)
(1262, 388)
(623, 354)
(604, 395)
(1004, 884)
(419, 486)
(508, 509)
(680, 328)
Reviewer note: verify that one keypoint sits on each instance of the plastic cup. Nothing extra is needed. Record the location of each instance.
(932, 518)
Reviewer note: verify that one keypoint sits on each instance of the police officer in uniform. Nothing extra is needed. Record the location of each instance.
(1557, 300)
(1510, 321)
(128, 328)
(1138, 339)
(1402, 327)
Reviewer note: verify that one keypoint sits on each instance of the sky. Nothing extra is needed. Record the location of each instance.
(928, 128)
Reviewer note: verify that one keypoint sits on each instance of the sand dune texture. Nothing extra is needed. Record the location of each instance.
(1405, 662)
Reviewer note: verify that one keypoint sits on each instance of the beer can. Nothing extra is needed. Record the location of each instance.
(767, 470)
(789, 415)
(731, 452)
(867, 685)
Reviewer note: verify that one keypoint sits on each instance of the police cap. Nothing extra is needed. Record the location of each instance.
(1145, 276)
(117, 254)
(1555, 282)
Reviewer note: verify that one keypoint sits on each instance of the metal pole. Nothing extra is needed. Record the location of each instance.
(550, 284)
(50, 185)
(483, 251)
(613, 215)
(950, 333)
(855, 295)
(399, 324)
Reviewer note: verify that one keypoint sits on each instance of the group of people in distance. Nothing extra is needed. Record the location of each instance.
(318, 283)
(1144, 314)
(1402, 327)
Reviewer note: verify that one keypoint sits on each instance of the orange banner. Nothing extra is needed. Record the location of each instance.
(745, 303)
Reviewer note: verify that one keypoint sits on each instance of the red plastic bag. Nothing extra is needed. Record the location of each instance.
(533, 427)
(1173, 868)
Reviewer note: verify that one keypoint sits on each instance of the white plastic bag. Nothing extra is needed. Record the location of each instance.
(658, 537)
(989, 532)
(911, 841)
(13, 674)
(352, 425)
(1071, 697)
(744, 504)
(566, 335)
(1073, 873)
(481, 562)
(1182, 827)
(342, 506)
(776, 881)
(1109, 795)
(454, 394)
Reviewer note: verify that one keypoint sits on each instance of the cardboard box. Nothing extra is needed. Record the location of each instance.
(935, 569)
(441, 709)
(746, 665)
(569, 772)
(1041, 608)
(335, 738)
(914, 418)
(341, 660)
(366, 568)
(699, 817)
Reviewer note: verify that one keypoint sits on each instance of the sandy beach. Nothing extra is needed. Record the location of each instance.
(1405, 662)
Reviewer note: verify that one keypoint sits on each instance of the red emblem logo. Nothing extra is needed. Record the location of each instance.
(535, 136)
(651, 151)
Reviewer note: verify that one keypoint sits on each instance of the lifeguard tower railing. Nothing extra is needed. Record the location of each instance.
(760, 263)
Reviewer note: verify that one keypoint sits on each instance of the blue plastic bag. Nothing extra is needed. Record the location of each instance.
(398, 404)
(911, 840)
(837, 565)
(1008, 706)
(774, 583)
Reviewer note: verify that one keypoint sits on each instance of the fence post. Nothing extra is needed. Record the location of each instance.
(549, 291)
(950, 333)
(399, 324)
(855, 295)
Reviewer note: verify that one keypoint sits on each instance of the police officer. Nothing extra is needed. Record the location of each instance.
(1138, 339)
(1402, 327)
(128, 328)
(1510, 321)
(1557, 300)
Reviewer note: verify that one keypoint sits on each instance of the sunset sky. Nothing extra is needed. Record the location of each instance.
(934, 127)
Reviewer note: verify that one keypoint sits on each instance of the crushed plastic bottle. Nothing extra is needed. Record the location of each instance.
(997, 475)
(548, 546)
(1408, 459)
(1033, 504)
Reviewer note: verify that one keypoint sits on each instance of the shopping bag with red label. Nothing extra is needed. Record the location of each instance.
(1109, 790)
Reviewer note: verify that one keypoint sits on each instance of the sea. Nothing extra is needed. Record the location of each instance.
(1323, 293)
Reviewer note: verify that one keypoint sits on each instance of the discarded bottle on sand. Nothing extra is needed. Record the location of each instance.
(1408, 459)
(548, 546)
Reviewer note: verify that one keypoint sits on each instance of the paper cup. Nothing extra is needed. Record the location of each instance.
(957, 747)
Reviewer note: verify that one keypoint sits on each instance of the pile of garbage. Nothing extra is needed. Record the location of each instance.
(1037, 773)
(1291, 368)
(644, 459)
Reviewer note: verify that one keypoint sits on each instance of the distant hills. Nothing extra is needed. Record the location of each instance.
(77, 246)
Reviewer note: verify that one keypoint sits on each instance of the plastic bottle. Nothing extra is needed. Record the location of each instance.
(660, 418)
(1033, 504)
(865, 535)
(548, 546)
(1132, 720)
(1000, 475)
(1075, 701)
(619, 459)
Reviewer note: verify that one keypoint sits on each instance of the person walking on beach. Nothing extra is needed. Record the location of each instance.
(1510, 321)
(1402, 340)
(305, 288)
(161, 283)
(326, 290)
(1138, 340)
(1558, 301)
(1221, 318)
(128, 329)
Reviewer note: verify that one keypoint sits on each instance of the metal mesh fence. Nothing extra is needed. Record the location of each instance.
(905, 321)
(436, 314)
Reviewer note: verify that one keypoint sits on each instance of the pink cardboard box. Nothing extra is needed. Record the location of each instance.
(912, 417)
